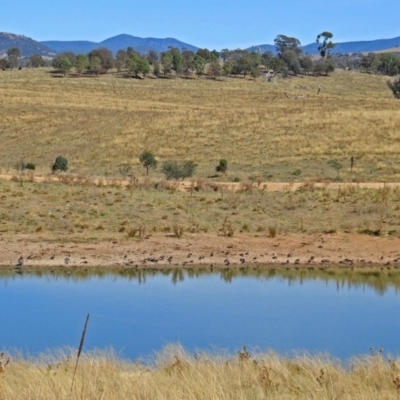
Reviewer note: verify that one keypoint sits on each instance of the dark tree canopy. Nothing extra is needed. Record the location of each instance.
(60, 164)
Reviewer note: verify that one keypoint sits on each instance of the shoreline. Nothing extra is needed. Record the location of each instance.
(160, 252)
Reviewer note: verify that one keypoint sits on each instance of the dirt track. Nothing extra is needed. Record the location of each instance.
(188, 185)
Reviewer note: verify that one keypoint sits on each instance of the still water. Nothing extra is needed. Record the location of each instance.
(137, 314)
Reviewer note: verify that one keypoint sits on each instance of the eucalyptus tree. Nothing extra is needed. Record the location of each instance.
(325, 44)
(13, 55)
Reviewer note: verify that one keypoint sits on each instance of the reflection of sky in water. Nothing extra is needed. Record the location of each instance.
(200, 313)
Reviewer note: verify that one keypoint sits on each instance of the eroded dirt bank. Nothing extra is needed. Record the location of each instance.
(157, 252)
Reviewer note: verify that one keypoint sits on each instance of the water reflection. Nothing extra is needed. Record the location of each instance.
(378, 278)
(339, 311)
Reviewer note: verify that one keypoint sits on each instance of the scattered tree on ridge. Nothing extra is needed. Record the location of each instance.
(105, 56)
(65, 66)
(327, 45)
(148, 161)
(36, 61)
(222, 166)
(13, 55)
(178, 170)
(81, 63)
(60, 164)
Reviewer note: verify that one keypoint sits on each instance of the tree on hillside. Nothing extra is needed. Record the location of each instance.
(95, 65)
(227, 68)
(166, 62)
(65, 66)
(292, 61)
(81, 63)
(120, 60)
(105, 56)
(326, 45)
(306, 64)
(284, 43)
(225, 54)
(68, 55)
(36, 61)
(60, 164)
(188, 66)
(13, 55)
(214, 70)
(205, 54)
(177, 63)
(289, 49)
(199, 64)
(178, 170)
(148, 161)
(389, 64)
(369, 63)
(133, 65)
(138, 65)
(152, 57)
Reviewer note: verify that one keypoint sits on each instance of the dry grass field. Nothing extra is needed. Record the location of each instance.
(99, 124)
(175, 375)
(87, 210)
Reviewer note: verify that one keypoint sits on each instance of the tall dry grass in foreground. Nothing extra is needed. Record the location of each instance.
(177, 375)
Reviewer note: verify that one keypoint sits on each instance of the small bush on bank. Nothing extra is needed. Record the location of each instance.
(178, 170)
(60, 164)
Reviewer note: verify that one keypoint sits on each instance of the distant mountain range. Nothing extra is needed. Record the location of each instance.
(50, 48)
(26, 46)
(346, 47)
(120, 42)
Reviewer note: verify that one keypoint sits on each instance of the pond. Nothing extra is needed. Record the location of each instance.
(137, 313)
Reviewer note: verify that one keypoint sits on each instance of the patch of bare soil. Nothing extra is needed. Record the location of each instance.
(206, 250)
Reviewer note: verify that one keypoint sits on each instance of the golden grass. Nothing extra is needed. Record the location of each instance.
(175, 374)
(102, 123)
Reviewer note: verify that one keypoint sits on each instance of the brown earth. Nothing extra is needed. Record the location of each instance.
(206, 250)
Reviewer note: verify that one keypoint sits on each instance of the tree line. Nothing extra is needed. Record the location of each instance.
(289, 59)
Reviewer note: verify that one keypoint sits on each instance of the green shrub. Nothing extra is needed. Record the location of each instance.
(30, 166)
(178, 170)
(61, 164)
(148, 161)
(222, 166)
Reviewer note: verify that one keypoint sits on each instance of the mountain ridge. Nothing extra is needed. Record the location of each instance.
(50, 48)
(120, 42)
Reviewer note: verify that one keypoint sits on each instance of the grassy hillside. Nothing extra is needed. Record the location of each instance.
(102, 123)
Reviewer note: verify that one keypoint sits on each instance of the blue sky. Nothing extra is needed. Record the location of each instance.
(207, 23)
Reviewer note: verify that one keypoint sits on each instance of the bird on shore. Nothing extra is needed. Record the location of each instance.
(20, 262)
(66, 260)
